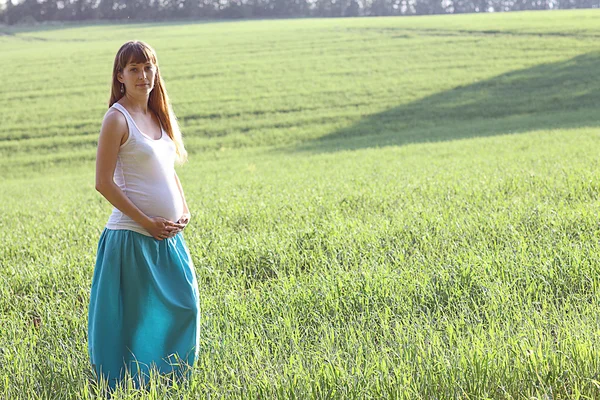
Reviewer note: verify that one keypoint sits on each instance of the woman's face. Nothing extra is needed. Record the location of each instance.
(138, 78)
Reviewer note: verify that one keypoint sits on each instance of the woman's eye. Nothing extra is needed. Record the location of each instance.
(133, 69)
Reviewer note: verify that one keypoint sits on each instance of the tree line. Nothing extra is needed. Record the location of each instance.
(28, 11)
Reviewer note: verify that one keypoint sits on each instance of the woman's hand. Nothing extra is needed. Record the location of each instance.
(185, 219)
(161, 228)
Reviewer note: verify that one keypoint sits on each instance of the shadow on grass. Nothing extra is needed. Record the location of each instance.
(550, 96)
(125, 22)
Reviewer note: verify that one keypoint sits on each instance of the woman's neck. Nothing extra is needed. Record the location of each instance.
(136, 104)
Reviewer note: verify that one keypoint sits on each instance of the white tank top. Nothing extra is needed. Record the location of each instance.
(145, 172)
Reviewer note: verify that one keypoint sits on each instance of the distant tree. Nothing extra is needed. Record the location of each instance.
(7, 12)
(381, 7)
(354, 9)
(28, 11)
(15, 11)
(429, 7)
(106, 9)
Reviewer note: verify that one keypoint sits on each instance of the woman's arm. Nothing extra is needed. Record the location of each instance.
(112, 134)
(186, 211)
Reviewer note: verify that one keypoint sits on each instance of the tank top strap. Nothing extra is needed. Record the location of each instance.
(128, 117)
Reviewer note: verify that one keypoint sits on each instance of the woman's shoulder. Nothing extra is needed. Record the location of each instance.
(115, 122)
(115, 118)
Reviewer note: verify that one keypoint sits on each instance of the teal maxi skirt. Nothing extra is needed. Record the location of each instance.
(144, 307)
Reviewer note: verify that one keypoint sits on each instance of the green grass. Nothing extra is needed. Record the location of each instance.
(382, 208)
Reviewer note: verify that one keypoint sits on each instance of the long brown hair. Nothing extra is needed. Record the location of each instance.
(139, 52)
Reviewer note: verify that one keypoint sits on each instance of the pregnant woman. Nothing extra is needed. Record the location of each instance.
(143, 312)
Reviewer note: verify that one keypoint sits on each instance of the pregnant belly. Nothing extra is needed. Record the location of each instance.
(164, 202)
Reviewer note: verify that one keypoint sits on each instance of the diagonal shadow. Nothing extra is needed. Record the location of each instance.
(559, 95)
(15, 30)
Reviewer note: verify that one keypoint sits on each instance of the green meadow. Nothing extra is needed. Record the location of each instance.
(402, 208)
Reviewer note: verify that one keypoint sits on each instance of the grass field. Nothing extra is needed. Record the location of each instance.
(381, 207)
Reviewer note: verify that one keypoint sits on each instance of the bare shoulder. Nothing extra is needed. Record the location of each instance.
(114, 125)
(115, 120)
